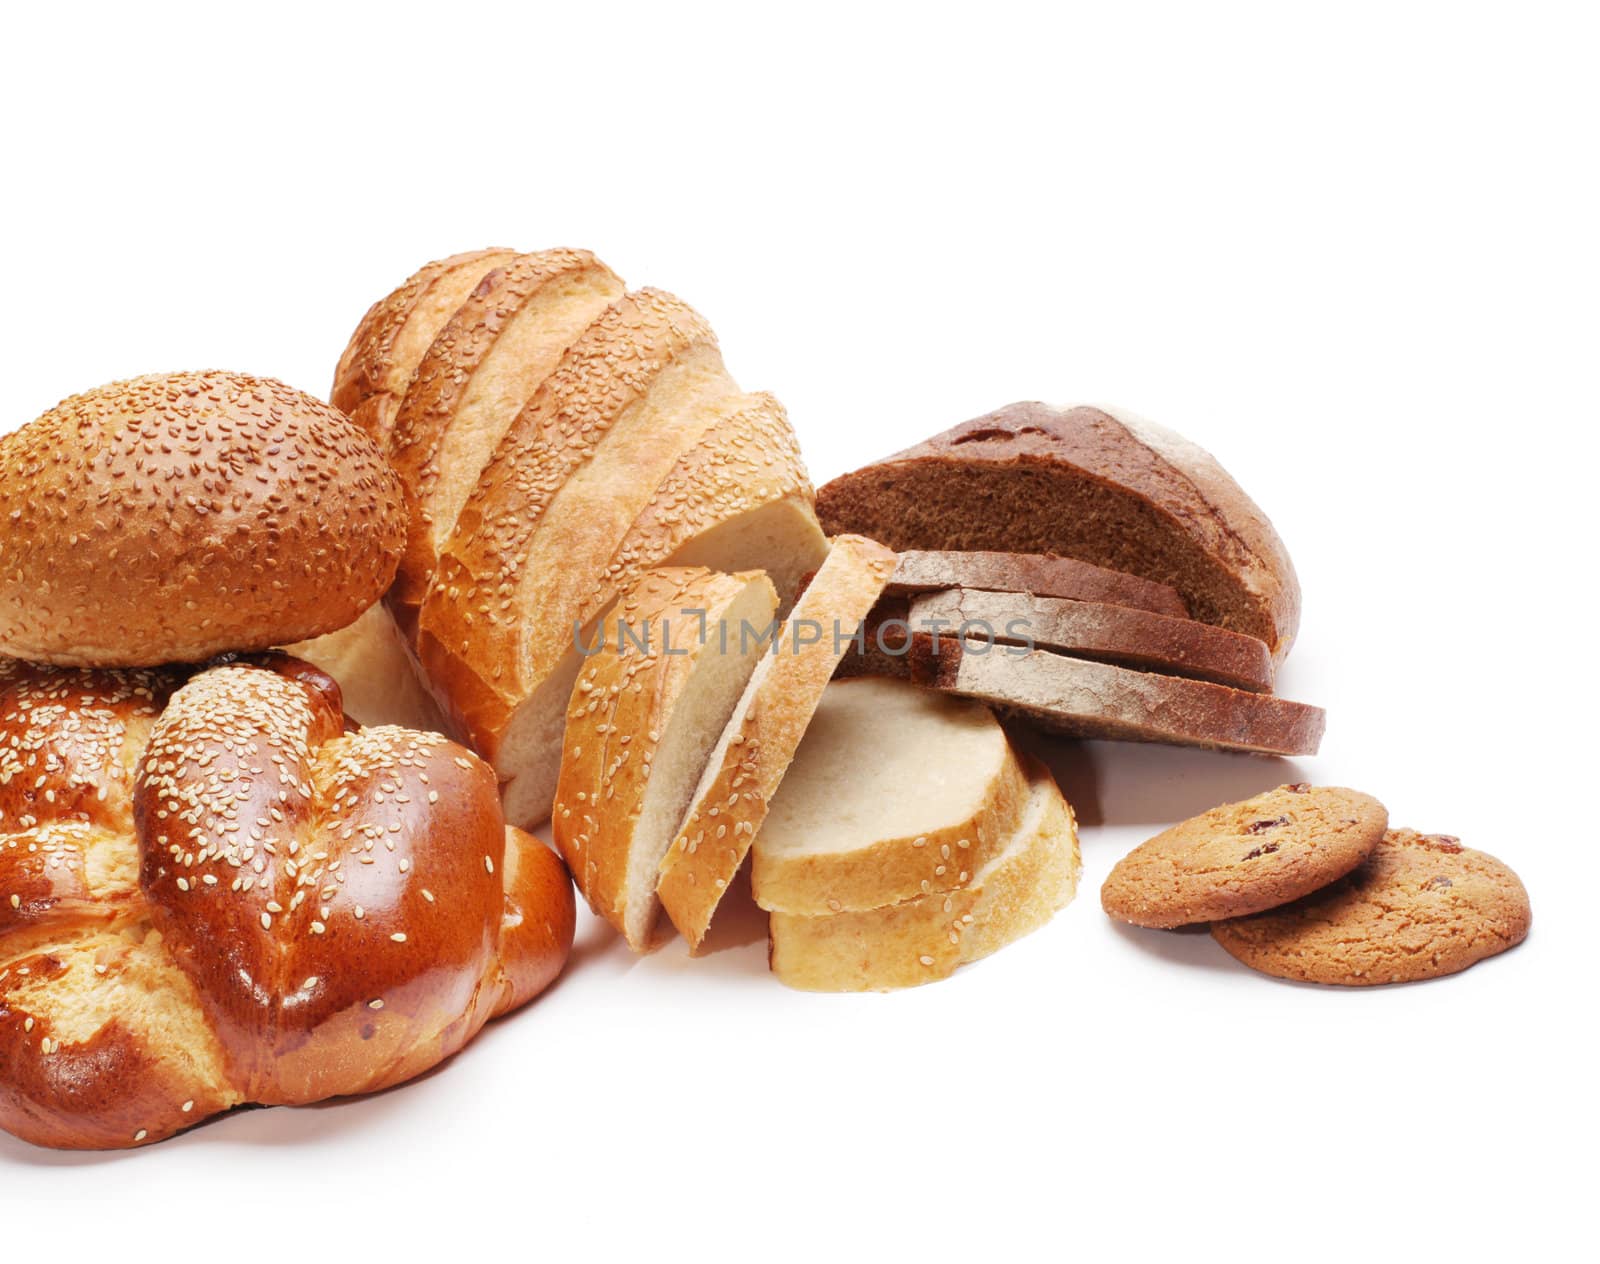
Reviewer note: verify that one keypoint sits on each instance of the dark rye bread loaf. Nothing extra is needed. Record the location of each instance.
(1080, 482)
(1089, 629)
(1082, 698)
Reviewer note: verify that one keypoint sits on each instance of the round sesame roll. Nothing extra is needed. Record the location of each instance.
(174, 517)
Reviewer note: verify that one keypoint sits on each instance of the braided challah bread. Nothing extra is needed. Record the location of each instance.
(215, 890)
(558, 436)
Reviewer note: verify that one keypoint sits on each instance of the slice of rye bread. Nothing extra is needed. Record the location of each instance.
(670, 664)
(842, 832)
(923, 570)
(1022, 887)
(755, 749)
(1083, 698)
(1113, 634)
(1085, 483)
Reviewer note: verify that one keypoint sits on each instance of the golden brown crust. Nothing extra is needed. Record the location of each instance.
(445, 380)
(477, 640)
(174, 517)
(732, 800)
(377, 363)
(237, 896)
(538, 922)
(1242, 858)
(1421, 906)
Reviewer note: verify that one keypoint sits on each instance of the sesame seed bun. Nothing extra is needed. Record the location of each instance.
(174, 517)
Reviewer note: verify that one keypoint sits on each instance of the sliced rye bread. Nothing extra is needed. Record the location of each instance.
(1022, 887)
(922, 570)
(1083, 698)
(1112, 634)
(756, 747)
(1085, 483)
(843, 834)
(672, 660)
(1106, 633)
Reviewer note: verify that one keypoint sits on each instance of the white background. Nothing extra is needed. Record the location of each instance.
(1353, 254)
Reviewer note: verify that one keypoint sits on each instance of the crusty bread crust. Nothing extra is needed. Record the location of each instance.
(482, 367)
(764, 733)
(377, 363)
(1082, 698)
(173, 517)
(480, 642)
(927, 938)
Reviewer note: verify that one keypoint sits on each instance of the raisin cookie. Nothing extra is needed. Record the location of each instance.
(1422, 906)
(1242, 858)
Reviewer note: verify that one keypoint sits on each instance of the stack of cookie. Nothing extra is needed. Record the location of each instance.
(1310, 883)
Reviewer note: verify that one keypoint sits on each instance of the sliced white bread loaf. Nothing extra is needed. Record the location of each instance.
(918, 941)
(558, 437)
(755, 749)
(672, 659)
(481, 369)
(895, 792)
(377, 365)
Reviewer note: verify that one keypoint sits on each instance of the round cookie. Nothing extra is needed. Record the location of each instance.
(1421, 907)
(1243, 858)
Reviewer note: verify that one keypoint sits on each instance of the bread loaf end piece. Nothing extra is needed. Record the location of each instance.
(1085, 483)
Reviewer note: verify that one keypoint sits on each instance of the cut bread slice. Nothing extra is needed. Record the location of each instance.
(759, 742)
(843, 833)
(922, 570)
(1087, 629)
(395, 334)
(738, 500)
(672, 659)
(1032, 877)
(1082, 698)
(482, 368)
(379, 678)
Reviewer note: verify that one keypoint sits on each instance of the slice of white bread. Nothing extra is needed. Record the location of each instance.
(381, 682)
(756, 747)
(918, 941)
(671, 661)
(895, 792)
